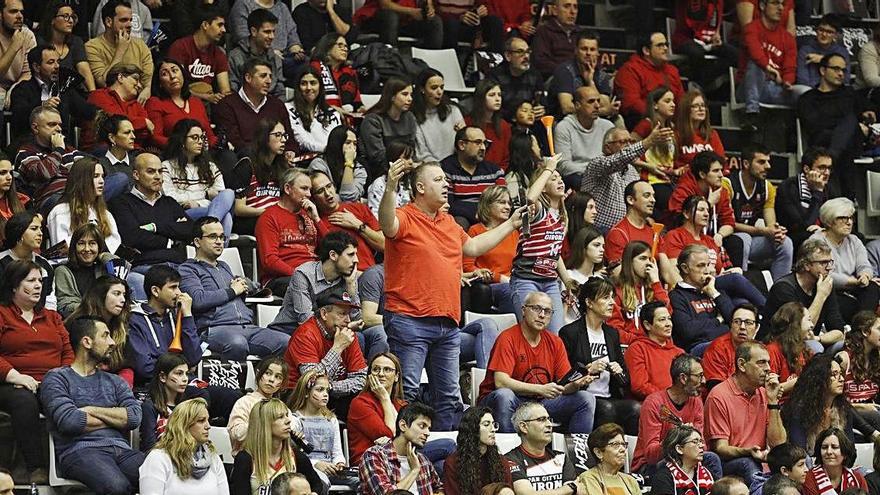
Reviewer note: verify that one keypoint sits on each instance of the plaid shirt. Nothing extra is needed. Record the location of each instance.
(605, 178)
(380, 472)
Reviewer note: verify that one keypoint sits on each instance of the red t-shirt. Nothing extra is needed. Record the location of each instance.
(362, 212)
(677, 239)
(718, 360)
(203, 65)
(687, 151)
(512, 354)
(622, 234)
(653, 429)
(310, 346)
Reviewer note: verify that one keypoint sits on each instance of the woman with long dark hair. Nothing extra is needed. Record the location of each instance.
(582, 212)
(693, 131)
(87, 260)
(790, 330)
(486, 114)
(659, 160)
(438, 118)
(109, 299)
(23, 238)
(389, 120)
(339, 162)
(11, 201)
(585, 261)
(263, 166)
(860, 358)
(330, 58)
(164, 392)
(835, 455)
(637, 283)
(56, 30)
(476, 461)
(311, 117)
(271, 376)
(525, 158)
(192, 178)
(172, 102)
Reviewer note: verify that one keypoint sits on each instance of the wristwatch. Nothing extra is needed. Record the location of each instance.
(573, 486)
(362, 227)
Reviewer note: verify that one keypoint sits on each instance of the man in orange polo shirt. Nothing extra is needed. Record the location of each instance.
(719, 358)
(742, 414)
(423, 255)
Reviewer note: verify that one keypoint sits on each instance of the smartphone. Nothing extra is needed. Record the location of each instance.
(523, 200)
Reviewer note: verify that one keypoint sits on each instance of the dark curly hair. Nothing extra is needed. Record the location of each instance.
(862, 365)
(810, 391)
(468, 451)
(785, 329)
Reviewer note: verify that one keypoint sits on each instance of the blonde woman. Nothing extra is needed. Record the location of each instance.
(184, 461)
(268, 452)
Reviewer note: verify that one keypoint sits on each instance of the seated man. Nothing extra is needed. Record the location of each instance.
(636, 225)
(584, 70)
(261, 28)
(581, 135)
(644, 72)
(699, 310)
(119, 97)
(799, 198)
(742, 414)
(811, 52)
(535, 468)
(291, 484)
(315, 18)
(91, 413)
(526, 364)
(44, 163)
(16, 40)
(286, 42)
(719, 360)
(730, 485)
(468, 174)
(324, 341)
(753, 198)
(287, 234)
(116, 45)
(222, 318)
(141, 20)
(698, 32)
(786, 460)
(371, 291)
(150, 222)
(352, 217)
(382, 468)
(553, 43)
(811, 285)
(683, 399)
(464, 20)
(519, 80)
(206, 61)
(44, 88)
(392, 18)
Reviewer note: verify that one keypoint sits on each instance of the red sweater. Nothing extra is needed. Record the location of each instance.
(285, 240)
(652, 429)
(366, 423)
(648, 363)
(32, 348)
(687, 186)
(687, 151)
(109, 101)
(625, 323)
(637, 77)
(766, 47)
(164, 113)
(512, 12)
(499, 152)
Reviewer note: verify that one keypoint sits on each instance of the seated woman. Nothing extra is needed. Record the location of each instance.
(23, 237)
(791, 330)
(486, 114)
(682, 471)
(33, 341)
(257, 175)
(192, 178)
(817, 402)
(389, 120)
(694, 220)
(11, 201)
(172, 102)
(82, 202)
(853, 276)
(109, 299)
(164, 392)
(637, 283)
(116, 132)
(585, 261)
(834, 455)
(396, 151)
(339, 162)
(476, 461)
(330, 57)
(88, 261)
(608, 446)
(438, 118)
(319, 426)
(593, 347)
(268, 451)
(860, 359)
(488, 276)
(185, 460)
(56, 29)
(648, 358)
(311, 117)
(270, 375)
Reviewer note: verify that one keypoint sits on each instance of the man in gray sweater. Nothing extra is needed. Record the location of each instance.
(579, 136)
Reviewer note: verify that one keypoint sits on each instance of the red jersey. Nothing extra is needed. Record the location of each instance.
(362, 212)
(203, 65)
(622, 234)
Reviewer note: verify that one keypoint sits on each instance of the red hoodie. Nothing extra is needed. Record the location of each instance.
(638, 77)
(648, 363)
(687, 186)
(764, 46)
(625, 322)
(512, 12)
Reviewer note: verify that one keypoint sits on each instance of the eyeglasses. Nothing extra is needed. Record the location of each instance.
(834, 68)
(215, 237)
(825, 263)
(198, 137)
(68, 17)
(279, 134)
(744, 323)
(520, 52)
(541, 419)
(845, 219)
(699, 105)
(616, 445)
(385, 370)
(493, 424)
(540, 310)
(479, 142)
(695, 441)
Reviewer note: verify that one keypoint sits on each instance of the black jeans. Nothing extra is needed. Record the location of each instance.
(387, 24)
(30, 435)
(624, 412)
(491, 26)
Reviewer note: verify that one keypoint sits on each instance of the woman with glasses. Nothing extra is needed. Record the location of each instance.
(682, 471)
(191, 177)
(860, 358)
(659, 160)
(486, 114)
(311, 117)
(835, 455)
(608, 446)
(340, 163)
(87, 260)
(693, 131)
(790, 343)
(261, 170)
(438, 118)
(56, 30)
(330, 58)
(636, 283)
(855, 284)
(593, 347)
(476, 461)
(389, 120)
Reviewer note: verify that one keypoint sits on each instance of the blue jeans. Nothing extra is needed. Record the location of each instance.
(431, 343)
(761, 248)
(115, 185)
(744, 467)
(576, 410)
(522, 287)
(739, 289)
(755, 89)
(135, 282)
(235, 342)
(502, 297)
(372, 341)
(220, 208)
(105, 470)
(477, 339)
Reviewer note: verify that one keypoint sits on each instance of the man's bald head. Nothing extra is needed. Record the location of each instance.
(147, 174)
(537, 297)
(585, 93)
(144, 160)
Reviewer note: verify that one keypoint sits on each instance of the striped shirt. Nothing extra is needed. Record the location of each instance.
(538, 255)
(44, 170)
(605, 177)
(465, 188)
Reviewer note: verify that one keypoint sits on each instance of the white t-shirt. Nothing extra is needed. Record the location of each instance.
(599, 351)
(404, 470)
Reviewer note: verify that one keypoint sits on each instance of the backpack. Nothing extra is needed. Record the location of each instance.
(376, 62)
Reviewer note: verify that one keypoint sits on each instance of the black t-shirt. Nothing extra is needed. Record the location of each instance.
(547, 472)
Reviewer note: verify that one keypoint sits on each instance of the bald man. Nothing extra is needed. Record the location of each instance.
(579, 136)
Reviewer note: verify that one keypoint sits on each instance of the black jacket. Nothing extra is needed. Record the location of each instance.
(74, 109)
(169, 219)
(577, 346)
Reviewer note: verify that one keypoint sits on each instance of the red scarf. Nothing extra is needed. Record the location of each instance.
(823, 482)
(685, 485)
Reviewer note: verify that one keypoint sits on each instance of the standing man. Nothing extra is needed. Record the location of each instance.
(206, 61)
(422, 312)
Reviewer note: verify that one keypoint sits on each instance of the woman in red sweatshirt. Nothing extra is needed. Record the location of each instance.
(649, 357)
(694, 132)
(637, 283)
